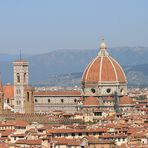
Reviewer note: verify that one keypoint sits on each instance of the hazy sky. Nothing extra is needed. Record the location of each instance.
(38, 26)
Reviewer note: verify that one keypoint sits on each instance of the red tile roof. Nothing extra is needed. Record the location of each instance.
(57, 93)
(8, 91)
(108, 99)
(91, 101)
(125, 100)
(21, 123)
(29, 142)
(4, 145)
(103, 69)
(56, 131)
(68, 142)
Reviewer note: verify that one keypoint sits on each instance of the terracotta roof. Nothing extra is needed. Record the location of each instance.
(68, 142)
(7, 123)
(29, 142)
(6, 133)
(4, 145)
(94, 140)
(103, 69)
(57, 93)
(8, 91)
(91, 101)
(108, 99)
(110, 136)
(21, 123)
(18, 135)
(56, 131)
(126, 100)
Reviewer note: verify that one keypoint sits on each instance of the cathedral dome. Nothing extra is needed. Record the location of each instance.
(103, 68)
(103, 75)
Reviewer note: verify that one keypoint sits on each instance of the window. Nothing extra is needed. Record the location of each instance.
(27, 96)
(8, 100)
(36, 100)
(65, 135)
(93, 90)
(62, 100)
(18, 77)
(108, 90)
(18, 102)
(80, 134)
(73, 134)
(24, 77)
(75, 100)
(48, 100)
(58, 135)
(18, 91)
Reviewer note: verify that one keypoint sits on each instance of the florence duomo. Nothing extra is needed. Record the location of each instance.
(98, 114)
(80, 79)
(104, 86)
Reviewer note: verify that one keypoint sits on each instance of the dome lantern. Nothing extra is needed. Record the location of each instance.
(103, 49)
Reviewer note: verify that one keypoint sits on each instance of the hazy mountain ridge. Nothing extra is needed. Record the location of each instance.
(56, 63)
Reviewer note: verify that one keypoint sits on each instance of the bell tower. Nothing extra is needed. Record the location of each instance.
(20, 72)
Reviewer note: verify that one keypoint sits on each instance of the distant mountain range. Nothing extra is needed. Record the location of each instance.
(65, 67)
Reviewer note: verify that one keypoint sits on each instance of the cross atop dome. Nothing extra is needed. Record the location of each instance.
(103, 49)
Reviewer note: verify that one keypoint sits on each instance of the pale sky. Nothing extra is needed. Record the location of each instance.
(39, 26)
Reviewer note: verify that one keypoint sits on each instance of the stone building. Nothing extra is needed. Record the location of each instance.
(23, 94)
(103, 80)
(103, 84)
(50, 101)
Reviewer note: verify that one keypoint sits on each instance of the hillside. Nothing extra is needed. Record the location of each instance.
(59, 63)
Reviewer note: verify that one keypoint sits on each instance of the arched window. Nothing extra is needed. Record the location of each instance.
(24, 77)
(62, 100)
(48, 100)
(18, 77)
(28, 96)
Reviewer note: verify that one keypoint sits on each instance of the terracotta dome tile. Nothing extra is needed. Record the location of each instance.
(108, 73)
(103, 69)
